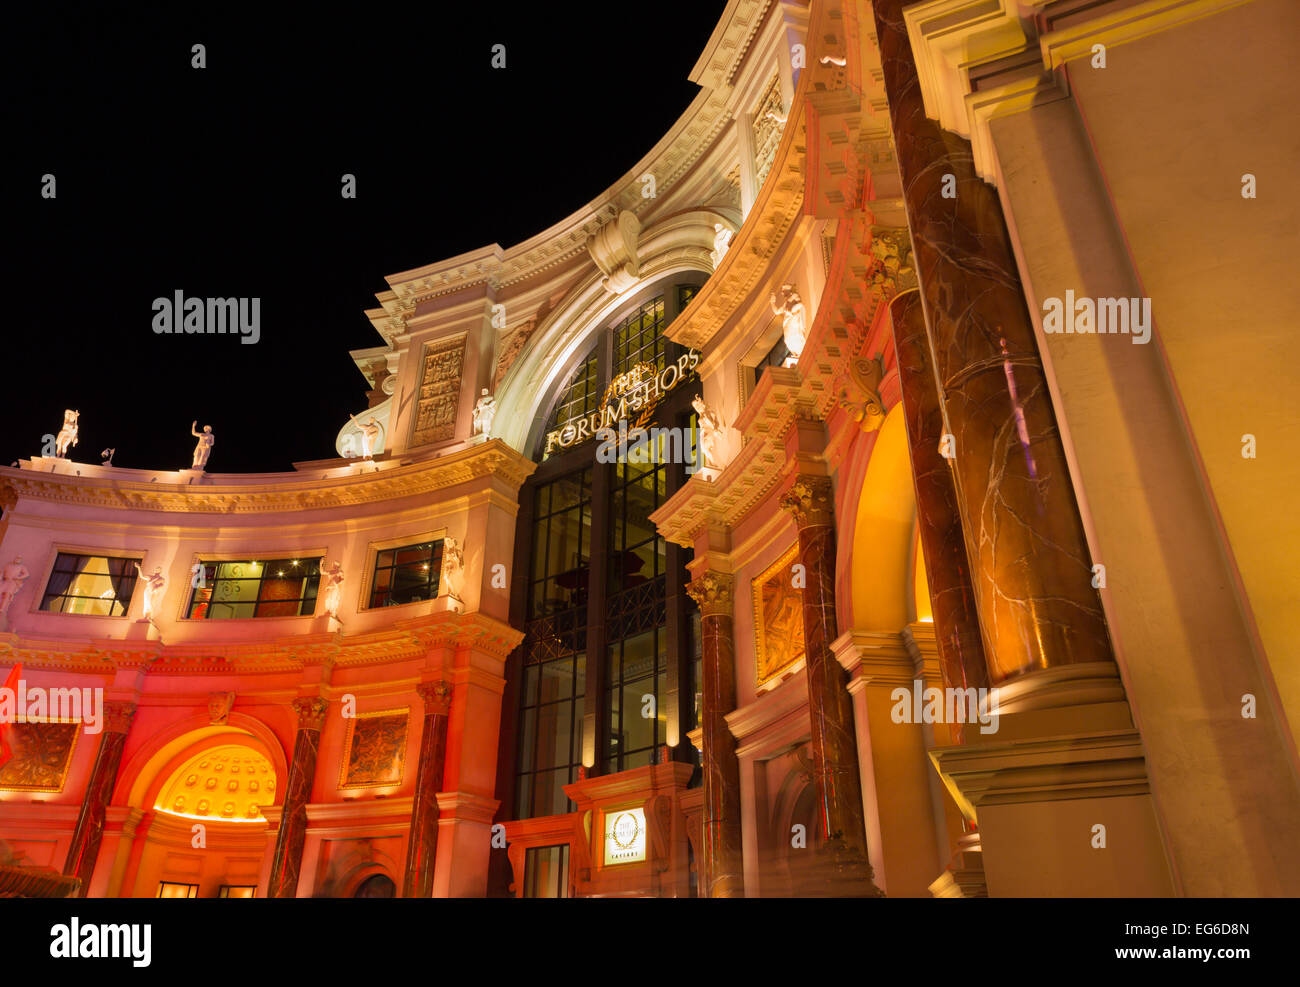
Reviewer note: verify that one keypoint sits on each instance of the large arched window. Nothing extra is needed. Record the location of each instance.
(606, 674)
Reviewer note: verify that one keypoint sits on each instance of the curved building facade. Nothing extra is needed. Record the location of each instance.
(770, 526)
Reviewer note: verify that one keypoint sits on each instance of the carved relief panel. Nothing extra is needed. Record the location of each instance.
(439, 391)
(42, 753)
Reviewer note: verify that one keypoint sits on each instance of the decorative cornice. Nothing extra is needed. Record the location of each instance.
(115, 489)
(407, 640)
(961, 45)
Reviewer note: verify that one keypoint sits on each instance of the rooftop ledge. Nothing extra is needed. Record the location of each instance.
(325, 484)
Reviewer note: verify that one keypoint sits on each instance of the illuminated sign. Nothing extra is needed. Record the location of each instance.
(624, 836)
(636, 392)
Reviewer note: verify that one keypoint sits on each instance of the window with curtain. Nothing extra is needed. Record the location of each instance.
(90, 584)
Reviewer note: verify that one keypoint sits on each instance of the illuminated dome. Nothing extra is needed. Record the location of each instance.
(231, 782)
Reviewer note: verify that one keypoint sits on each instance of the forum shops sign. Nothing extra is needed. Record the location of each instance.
(632, 394)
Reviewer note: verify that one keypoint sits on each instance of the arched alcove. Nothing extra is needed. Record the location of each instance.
(882, 573)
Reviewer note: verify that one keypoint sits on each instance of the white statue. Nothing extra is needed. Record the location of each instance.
(12, 578)
(204, 449)
(453, 566)
(369, 433)
(710, 430)
(68, 434)
(154, 585)
(484, 411)
(791, 310)
(331, 578)
(721, 242)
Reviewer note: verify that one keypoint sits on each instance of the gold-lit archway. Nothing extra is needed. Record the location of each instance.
(230, 782)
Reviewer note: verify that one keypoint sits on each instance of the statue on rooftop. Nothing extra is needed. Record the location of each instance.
(67, 436)
(204, 448)
(369, 433)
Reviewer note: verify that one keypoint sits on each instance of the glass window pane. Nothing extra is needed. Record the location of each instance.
(639, 710)
(557, 680)
(527, 739)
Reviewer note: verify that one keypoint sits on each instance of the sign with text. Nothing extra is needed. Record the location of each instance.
(624, 836)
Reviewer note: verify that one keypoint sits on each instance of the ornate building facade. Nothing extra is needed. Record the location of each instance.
(756, 530)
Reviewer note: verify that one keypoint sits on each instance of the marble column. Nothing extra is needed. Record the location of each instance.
(722, 867)
(423, 842)
(287, 859)
(89, 831)
(1030, 566)
(956, 623)
(830, 708)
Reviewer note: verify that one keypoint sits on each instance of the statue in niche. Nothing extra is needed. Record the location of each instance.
(331, 582)
(710, 430)
(12, 578)
(219, 706)
(67, 436)
(204, 448)
(154, 585)
(369, 433)
(790, 307)
(453, 567)
(485, 410)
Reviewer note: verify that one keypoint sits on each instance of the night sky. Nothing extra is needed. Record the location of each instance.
(225, 181)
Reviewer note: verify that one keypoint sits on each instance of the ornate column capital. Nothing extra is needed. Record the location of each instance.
(436, 696)
(711, 590)
(311, 712)
(811, 499)
(118, 716)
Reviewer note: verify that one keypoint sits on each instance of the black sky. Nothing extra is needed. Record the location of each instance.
(225, 182)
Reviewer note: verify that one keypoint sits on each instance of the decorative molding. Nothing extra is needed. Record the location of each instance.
(811, 499)
(118, 716)
(492, 458)
(959, 44)
(712, 592)
(858, 392)
(614, 249)
(311, 712)
(436, 697)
